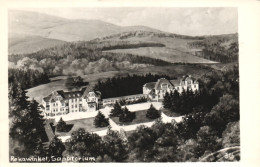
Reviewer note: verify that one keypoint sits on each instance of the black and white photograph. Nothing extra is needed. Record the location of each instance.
(123, 84)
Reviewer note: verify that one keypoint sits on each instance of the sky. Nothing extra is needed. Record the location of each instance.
(186, 21)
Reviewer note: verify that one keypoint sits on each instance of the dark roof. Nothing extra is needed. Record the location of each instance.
(61, 92)
(150, 85)
(187, 76)
(160, 81)
(175, 82)
(97, 92)
(152, 92)
(74, 94)
(47, 98)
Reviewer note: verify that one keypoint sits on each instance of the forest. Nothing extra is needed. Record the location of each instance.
(27, 78)
(204, 130)
(218, 48)
(141, 34)
(83, 58)
(123, 86)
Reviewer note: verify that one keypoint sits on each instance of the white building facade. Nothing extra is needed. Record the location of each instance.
(62, 103)
(157, 90)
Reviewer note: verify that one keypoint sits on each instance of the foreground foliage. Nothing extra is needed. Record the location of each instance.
(208, 129)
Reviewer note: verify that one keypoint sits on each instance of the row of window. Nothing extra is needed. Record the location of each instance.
(76, 106)
(127, 98)
(60, 113)
(75, 100)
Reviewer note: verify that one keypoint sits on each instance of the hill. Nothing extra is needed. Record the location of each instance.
(181, 48)
(24, 23)
(22, 44)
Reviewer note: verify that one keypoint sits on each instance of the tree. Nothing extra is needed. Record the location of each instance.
(101, 120)
(61, 126)
(56, 148)
(115, 146)
(141, 143)
(26, 126)
(83, 143)
(186, 151)
(231, 135)
(227, 110)
(167, 100)
(207, 141)
(190, 125)
(78, 81)
(69, 82)
(152, 113)
(116, 111)
(126, 116)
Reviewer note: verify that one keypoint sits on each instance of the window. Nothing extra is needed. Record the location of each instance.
(80, 99)
(164, 86)
(75, 105)
(72, 106)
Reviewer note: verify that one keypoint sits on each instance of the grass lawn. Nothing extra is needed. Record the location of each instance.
(86, 123)
(170, 113)
(140, 118)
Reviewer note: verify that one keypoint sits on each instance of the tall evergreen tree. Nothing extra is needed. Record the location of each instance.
(167, 100)
(116, 111)
(152, 113)
(61, 126)
(26, 124)
(100, 120)
(127, 116)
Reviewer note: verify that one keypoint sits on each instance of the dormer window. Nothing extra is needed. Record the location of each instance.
(164, 86)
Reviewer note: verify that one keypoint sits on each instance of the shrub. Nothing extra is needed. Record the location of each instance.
(101, 120)
(127, 116)
(152, 113)
(61, 126)
(116, 111)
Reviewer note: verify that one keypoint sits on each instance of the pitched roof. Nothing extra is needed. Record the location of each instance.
(47, 98)
(161, 81)
(150, 85)
(74, 94)
(187, 77)
(175, 82)
(97, 92)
